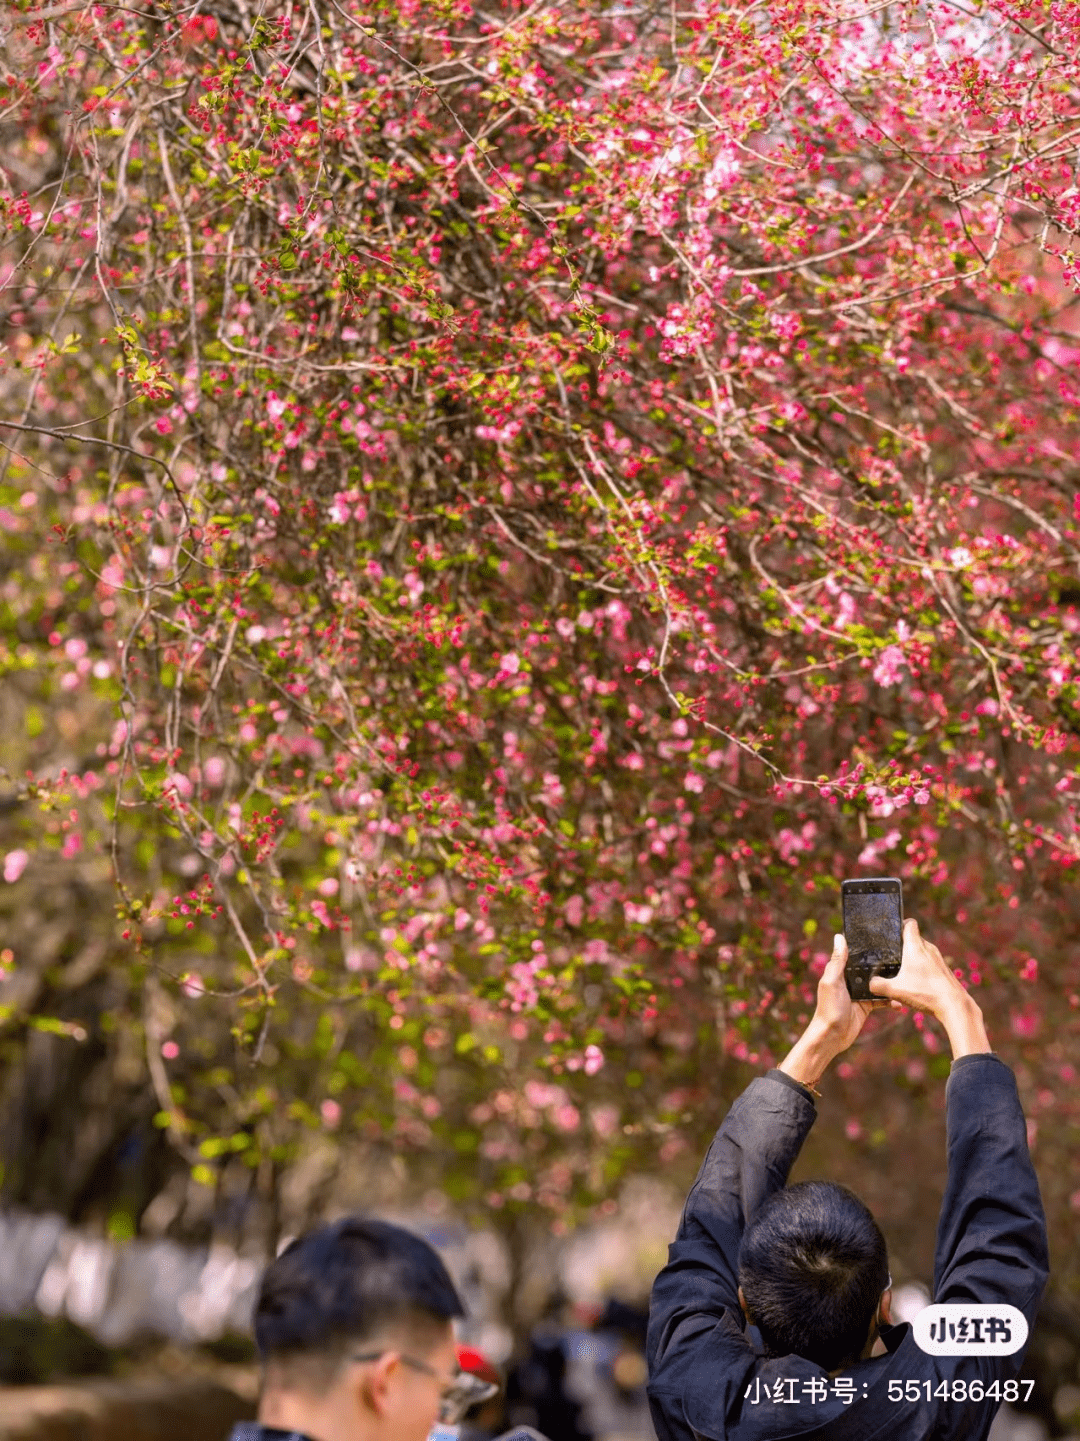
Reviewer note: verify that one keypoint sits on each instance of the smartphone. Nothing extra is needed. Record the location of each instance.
(874, 930)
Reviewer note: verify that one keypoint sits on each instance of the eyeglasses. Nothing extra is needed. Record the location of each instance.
(456, 1397)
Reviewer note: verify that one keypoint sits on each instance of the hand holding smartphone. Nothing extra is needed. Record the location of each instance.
(874, 930)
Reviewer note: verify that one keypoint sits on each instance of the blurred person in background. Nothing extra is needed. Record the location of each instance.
(606, 1371)
(621, 1407)
(354, 1326)
(773, 1315)
(538, 1394)
(486, 1418)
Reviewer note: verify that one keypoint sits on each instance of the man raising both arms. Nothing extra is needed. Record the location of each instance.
(807, 1265)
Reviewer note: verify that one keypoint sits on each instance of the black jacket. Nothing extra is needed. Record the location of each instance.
(991, 1247)
(252, 1431)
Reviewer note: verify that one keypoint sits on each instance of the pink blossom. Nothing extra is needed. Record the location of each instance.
(606, 1118)
(542, 1095)
(180, 784)
(791, 843)
(786, 324)
(346, 505)
(618, 612)
(554, 792)
(112, 575)
(845, 612)
(521, 987)
(890, 663)
(15, 863)
(722, 173)
(874, 850)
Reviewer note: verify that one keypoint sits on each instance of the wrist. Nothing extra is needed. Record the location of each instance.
(962, 1020)
(811, 1054)
(955, 1004)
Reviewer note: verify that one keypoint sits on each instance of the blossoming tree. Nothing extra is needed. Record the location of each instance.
(505, 506)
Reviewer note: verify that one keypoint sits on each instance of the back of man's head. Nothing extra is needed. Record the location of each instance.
(812, 1267)
(344, 1286)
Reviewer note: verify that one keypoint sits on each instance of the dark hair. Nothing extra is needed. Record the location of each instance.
(350, 1281)
(812, 1266)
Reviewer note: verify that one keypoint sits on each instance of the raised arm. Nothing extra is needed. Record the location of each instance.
(699, 1355)
(835, 1024)
(750, 1158)
(991, 1243)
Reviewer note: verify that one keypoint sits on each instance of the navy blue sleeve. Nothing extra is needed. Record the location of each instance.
(749, 1159)
(991, 1246)
(991, 1240)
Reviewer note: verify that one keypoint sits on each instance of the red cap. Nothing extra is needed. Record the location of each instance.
(477, 1364)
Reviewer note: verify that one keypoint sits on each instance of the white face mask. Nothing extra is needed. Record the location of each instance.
(442, 1432)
